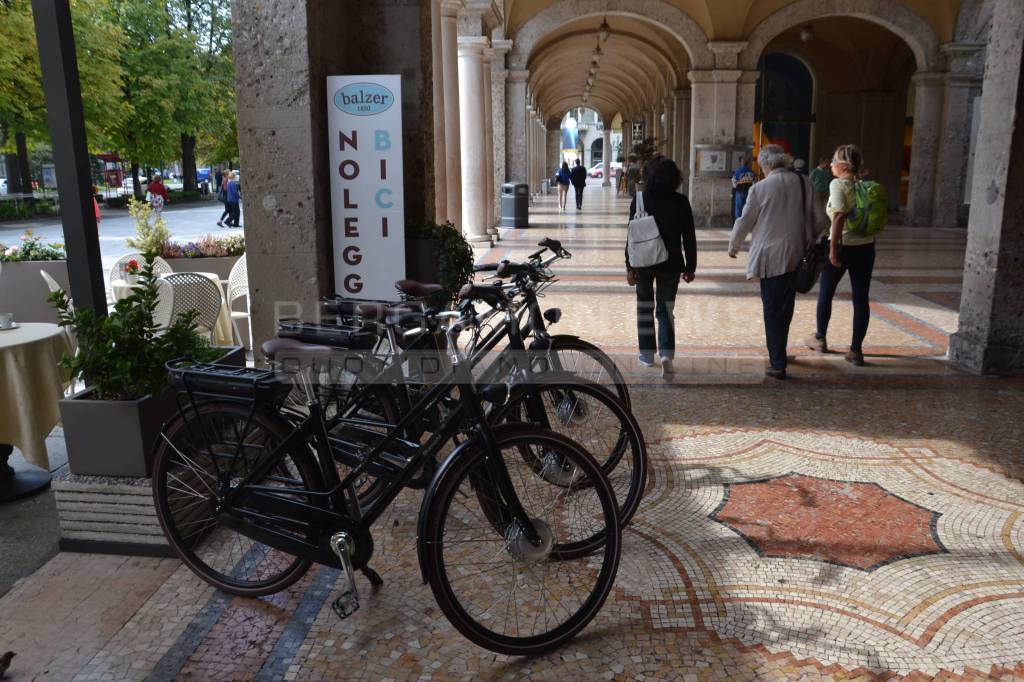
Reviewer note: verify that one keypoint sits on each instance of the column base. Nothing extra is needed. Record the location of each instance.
(981, 357)
(606, 183)
(478, 238)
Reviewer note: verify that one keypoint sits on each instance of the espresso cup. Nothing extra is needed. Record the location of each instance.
(6, 320)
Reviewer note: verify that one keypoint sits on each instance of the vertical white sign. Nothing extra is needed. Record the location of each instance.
(364, 126)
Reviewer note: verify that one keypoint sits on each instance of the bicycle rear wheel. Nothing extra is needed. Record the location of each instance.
(587, 361)
(593, 417)
(496, 588)
(195, 455)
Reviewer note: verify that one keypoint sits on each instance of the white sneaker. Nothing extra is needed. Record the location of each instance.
(666, 367)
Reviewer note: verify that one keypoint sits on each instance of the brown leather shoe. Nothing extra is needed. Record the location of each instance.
(775, 373)
(855, 357)
(814, 343)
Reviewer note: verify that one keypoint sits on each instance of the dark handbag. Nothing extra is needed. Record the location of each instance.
(811, 265)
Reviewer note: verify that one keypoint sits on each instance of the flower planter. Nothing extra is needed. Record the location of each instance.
(220, 266)
(24, 293)
(116, 437)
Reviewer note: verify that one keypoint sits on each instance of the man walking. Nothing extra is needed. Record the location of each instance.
(821, 178)
(578, 175)
(783, 218)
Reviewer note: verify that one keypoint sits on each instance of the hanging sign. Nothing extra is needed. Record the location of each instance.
(364, 130)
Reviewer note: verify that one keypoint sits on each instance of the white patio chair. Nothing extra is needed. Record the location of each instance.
(193, 291)
(238, 288)
(164, 305)
(69, 334)
(161, 268)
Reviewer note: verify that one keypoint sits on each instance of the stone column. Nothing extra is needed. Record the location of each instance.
(473, 139)
(606, 151)
(551, 155)
(531, 149)
(452, 134)
(627, 141)
(881, 127)
(488, 179)
(499, 113)
(962, 85)
(681, 152)
(928, 92)
(991, 334)
(515, 126)
(440, 154)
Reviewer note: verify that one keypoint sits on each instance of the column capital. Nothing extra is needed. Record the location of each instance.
(966, 59)
(715, 76)
(474, 45)
(501, 45)
(727, 53)
(518, 75)
(928, 78)
(451, 8)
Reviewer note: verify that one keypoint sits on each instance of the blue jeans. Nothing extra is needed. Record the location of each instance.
(860, 261)
(656, 293)
(778, 296)
(739, 201)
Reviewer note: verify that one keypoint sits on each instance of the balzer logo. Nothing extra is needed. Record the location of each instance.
(364, 99)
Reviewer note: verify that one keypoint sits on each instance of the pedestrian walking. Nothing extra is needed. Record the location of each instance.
(657, 285)
(233, 200)
(848, 251)
(564, 179)
(742, 180)
(620, 179)
(222, 197)
(783, 219)
(632, 175)
(157, 194)
(578, 175)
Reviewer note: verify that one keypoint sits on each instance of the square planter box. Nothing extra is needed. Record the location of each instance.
(220, 266)
(24, 293)
(116, 437)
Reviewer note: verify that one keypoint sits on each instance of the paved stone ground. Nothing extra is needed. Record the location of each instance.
(851, 523)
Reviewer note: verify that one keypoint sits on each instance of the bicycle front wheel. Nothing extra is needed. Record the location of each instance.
(496, 587)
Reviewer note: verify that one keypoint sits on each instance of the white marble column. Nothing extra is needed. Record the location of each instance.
(440, 153)
(452, 134)
(924, 147)
(606, 151)
(473, 139)
(485, 87)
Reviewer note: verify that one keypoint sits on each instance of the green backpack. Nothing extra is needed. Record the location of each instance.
(870, 211)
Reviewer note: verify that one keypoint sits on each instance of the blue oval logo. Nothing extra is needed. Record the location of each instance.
(364, 99)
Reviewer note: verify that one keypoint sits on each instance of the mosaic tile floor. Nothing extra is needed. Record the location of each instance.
(852, 523)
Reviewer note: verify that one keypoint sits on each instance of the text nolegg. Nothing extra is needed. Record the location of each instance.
(349, 169)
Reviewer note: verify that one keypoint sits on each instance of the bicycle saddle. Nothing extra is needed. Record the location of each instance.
(390, 314)
(411, 287)
(278, 349)
(490, 294)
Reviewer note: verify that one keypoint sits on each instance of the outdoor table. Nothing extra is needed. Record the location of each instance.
(222, 332)
(31, 386)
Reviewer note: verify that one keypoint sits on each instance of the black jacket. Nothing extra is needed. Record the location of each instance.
(675, 223)
(578, 174)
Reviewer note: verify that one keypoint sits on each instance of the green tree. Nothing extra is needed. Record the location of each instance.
(22, 104)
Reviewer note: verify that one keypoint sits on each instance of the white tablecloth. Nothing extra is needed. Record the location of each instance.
(31, 385)
(222, 333)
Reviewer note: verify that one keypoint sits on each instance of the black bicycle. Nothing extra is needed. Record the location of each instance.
(518, 534)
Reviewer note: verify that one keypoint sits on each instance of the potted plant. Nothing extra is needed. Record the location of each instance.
(438, 254)
(209, 254)
(111, 426)
(22, 290)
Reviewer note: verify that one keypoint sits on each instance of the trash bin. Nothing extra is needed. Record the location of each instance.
(515, 205)
(545, 186)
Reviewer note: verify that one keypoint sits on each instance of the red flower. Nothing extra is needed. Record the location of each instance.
(132, 267)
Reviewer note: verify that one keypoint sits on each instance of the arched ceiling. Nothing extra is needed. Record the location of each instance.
(641, 63)
(735, 19)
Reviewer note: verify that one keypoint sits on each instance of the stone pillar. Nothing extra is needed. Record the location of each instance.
(531, 149)
(991, 334)
(515, 126)
(488, 179)
(627, 141)
(552, 158)
(928, 92)
(606, 150)
(452, 134)
(681, 152)
(473, 139)
(437, 73)
(881, 125)
(962, 85)
(499, 114)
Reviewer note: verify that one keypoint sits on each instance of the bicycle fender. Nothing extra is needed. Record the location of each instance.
(449, 462)
(565, 337)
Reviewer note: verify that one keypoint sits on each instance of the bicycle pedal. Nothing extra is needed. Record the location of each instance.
(346, 604)
(373, 576)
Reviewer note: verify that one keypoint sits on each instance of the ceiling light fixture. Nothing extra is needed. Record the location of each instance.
(807, 33)
(604, 30)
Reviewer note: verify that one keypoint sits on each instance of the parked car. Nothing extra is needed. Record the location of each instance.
(3, 185)
(597, 171)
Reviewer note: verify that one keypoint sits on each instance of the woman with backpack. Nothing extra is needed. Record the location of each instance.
(656, 285)
(851, 248)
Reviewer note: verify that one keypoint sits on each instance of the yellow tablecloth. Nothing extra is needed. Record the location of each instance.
(222, 333)
(31, 385)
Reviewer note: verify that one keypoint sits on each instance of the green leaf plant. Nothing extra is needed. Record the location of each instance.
(122, 355)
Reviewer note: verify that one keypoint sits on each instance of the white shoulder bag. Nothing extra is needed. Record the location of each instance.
(643, 241)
